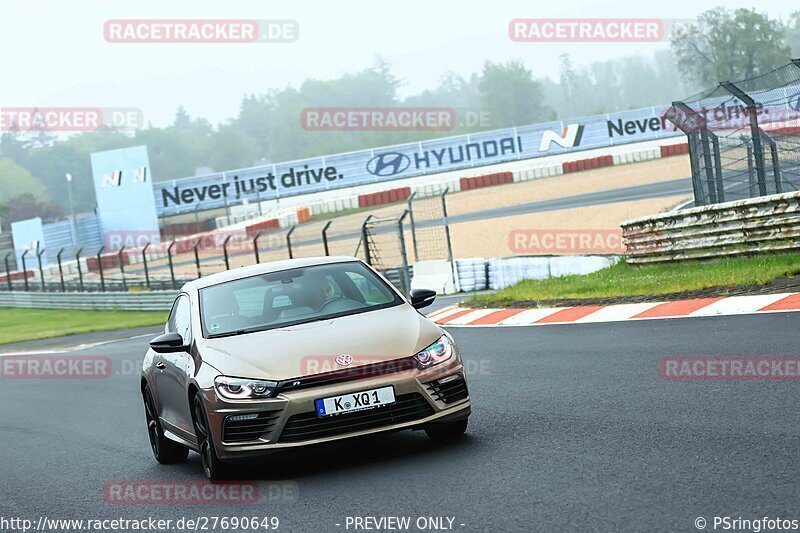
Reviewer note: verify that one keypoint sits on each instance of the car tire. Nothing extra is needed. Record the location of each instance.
(213, 467)
(446, 430)
(164, 450)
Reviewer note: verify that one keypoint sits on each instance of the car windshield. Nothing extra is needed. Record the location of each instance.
(294, 296)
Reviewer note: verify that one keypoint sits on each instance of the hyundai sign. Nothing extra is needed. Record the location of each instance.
(409, 160)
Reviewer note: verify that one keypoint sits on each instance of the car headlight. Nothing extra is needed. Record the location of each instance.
(438, 352)
(244, 389)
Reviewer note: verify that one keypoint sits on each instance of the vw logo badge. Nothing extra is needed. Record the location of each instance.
(388, 164)
(344, 359)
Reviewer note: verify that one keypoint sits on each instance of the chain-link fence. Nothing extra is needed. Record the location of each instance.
(383, 244)
(744, 136)
(430, 231)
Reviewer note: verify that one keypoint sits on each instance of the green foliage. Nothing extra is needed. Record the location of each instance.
(725, 46)
(511, 95)
(16, 180)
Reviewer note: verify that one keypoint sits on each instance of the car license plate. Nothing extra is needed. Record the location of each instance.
(354, 401)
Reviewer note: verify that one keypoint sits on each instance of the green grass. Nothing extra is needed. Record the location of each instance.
(20, 324)
(623, 279)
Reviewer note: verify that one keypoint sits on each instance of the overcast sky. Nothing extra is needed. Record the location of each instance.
(54, 52)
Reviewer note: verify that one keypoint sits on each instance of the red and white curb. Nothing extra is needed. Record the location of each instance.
(722, 306)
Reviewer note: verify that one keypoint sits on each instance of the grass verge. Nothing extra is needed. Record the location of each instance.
(20, 324)
(622, 279)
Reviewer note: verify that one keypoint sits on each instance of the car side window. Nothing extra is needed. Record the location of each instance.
(180, 319)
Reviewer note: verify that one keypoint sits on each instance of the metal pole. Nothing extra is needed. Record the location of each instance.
(225, 251)
(8, 272)
(25, 270)
(750, 176)
(712, 190)
(41, 270)
(144, 262)
(122, 269)
(61, 270)
(197, 257)
(80, 270)
(447, 225)
(325, 237)
(255, 245)
(289, 241)
(404, 277)
(365, 241)
(74, 221)
(718, 167)
(776, 164)
(171, 267)
(100, 268)
(755, 133)
(413, 227)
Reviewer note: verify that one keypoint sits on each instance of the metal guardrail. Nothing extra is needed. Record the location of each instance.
(764, 224)
(126, 301)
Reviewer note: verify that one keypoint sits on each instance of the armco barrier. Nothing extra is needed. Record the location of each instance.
(765, 224)
(126, 301)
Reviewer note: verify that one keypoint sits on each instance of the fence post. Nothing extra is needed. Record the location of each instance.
(41, 270)
(413, 227)
(289, 241)
(122, 268)
(197, 257)
(755, 133)
(225, 251)
(144, 262)
(255, 244)
(447, 226)
(750, 177)
(712, 189)
(365, 240)
(61, 270)
(80, 270)
(171, 266)
(718, 167)
(404, 277)
(690, 123)
(25, 270)
(776, 163)
(100, 267)
(325, 237)
(8, 272)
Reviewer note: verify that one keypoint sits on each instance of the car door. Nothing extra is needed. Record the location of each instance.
(172, 374)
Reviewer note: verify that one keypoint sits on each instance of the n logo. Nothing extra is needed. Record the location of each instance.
(115, 179)
(569, 138)
(140, 175)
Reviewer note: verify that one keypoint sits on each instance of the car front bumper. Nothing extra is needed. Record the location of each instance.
(434, 395)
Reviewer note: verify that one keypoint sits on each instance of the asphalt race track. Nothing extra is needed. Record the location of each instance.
(572, 429)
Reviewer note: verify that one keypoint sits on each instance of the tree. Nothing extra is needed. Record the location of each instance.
(509, 92)
(27, 206)
(725, 46)
(793, 34)
(15, 180)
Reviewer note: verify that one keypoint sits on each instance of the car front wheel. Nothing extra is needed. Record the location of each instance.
(164, 450)
(213, 468)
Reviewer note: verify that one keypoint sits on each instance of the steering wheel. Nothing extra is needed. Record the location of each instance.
(328, 302)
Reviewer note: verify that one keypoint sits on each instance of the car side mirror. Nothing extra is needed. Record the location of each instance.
(168, 343)
(422, 298)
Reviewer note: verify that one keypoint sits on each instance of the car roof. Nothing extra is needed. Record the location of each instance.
(265, 268)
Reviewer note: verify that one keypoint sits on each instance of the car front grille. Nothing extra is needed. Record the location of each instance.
(249, 430)
(308, 426)
(382, 368)
(449, 389)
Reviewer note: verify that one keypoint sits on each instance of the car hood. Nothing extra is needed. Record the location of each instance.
(308, 349)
